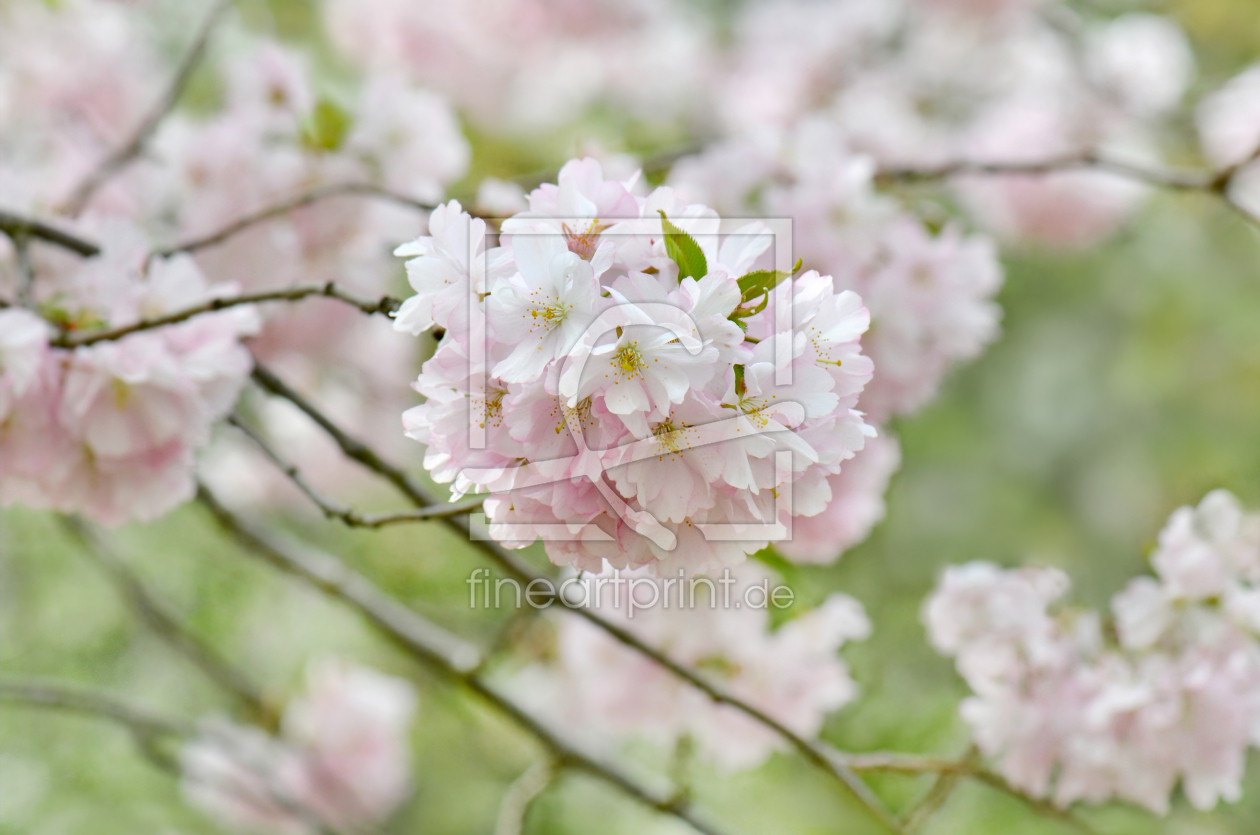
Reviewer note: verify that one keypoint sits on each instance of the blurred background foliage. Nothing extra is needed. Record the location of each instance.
(1127, 383)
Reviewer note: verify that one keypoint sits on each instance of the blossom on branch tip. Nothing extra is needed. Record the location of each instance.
(632, 384)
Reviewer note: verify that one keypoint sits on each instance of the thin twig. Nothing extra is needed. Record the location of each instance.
(139, 721)
(26, 269)
(939, 792)
(145, 727)
(16, 226)
(934, 798)
(130, 149)
(383, 305)
(159, 619)
(290, 204)
(514, 808)
(896, 763)
(335, 510)
(446, 654)
(655, 164)
(1213, 183)
(352, 448)
(360, 452)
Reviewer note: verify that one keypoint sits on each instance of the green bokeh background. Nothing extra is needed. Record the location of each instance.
(1126, 383)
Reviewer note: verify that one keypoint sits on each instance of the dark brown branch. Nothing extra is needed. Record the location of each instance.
(353, 448)
(16, 226)
(335, 510)
(130, 149)
(383, 305)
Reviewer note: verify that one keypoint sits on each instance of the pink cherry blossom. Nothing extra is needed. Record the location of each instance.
(342, 761)
(1070, 717)
(614, 694)
(603, 378)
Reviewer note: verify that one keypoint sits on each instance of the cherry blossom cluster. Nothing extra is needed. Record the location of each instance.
(1229, 129)
(612, 694)
(522, 66)
(635, 372)
(930, 295)
(910, 82)
(275, 134)
(110, 429)
(340, 764)
(1167, 691)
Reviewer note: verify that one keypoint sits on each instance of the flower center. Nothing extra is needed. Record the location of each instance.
(584, 244)
(491, 408)
(552, 314)
(669, 436)
(629, 358)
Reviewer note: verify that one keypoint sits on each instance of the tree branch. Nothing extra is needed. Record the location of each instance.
(441, 651)
(1213, 183)
(353, 448)
(285, 206)
(360, 452)
(26, 270)
(159, 619)
(384, 305)
(942, 787)
(516, 802)
(895, 763)
(130, 149)
(139, 721)
(17, 226)
(335, 510)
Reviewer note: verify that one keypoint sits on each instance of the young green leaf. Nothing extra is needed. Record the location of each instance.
(761, 282)
(684, 251)
(327, 126)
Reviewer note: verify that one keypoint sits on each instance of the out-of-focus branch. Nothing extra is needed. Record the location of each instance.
(130, 149)
(514, 808)
(359, 451)
(942, 787)
(441, 651)
(383, 305)
(353, 448)
(655, 164)
(145, 727)
(335, 510)
(26, 270)
(159, 619)
(966, 766)
(17, 226)
(1213, 183)
(139, 721)
(285, 206)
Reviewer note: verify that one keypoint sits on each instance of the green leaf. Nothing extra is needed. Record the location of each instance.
(789, 572)
(327, 126)
(745, 312)
(739, 381)
(761, 282)
(684, 251)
